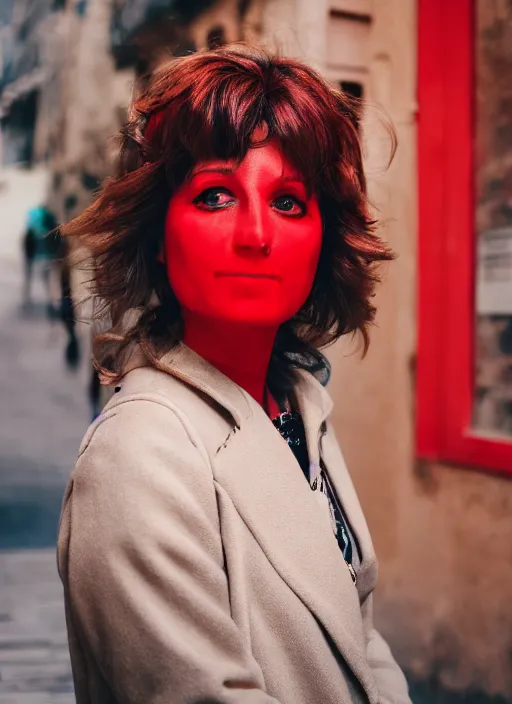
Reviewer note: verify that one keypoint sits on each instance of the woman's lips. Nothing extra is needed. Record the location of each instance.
(247, 275)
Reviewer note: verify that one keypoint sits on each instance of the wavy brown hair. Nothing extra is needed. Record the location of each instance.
(207, 105)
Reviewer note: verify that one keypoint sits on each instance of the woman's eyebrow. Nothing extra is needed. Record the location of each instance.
(228, 170)
(293, 179)
(212, 170)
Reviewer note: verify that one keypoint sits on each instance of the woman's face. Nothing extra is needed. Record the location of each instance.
(242, 244)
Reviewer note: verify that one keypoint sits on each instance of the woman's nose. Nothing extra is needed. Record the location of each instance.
(253, 235)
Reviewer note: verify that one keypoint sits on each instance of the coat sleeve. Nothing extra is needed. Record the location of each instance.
(146, 589)
(390, 680)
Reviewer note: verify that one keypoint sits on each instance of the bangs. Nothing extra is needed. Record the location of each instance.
(218, 115)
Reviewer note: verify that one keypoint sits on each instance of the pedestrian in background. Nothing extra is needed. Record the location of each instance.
(41, 246)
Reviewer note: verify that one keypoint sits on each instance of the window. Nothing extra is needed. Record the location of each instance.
(465, 219)
(492, 399)
(216, 37)
(347, 50)
(354, 90)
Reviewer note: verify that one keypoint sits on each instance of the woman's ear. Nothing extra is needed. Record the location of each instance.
(160, 255)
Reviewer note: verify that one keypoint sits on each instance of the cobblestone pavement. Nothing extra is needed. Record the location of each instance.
(43, 415)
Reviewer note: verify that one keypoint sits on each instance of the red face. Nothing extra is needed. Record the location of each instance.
(242, 244)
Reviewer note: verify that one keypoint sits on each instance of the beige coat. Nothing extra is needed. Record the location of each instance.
(197, 564)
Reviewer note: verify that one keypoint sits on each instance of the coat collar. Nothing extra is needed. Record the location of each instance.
(298, 542)
(314, 402)
(185, 364)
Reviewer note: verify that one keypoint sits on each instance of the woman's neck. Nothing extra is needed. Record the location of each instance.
(240, 351)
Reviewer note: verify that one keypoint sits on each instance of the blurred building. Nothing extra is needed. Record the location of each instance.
(69, 67)
(436, 498)
(24, 73)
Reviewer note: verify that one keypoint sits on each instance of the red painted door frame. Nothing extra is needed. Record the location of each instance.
(447, 242)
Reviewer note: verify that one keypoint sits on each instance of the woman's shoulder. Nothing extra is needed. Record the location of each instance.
(137, 411)
(141, 450)
(140, 465)
(143, 424)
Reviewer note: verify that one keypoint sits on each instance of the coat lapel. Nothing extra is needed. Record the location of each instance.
(315, 406)
(267, 486)
(340, 478)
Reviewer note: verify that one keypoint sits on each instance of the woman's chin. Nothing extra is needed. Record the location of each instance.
(256, 315)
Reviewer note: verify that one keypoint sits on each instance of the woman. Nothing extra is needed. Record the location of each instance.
(200, 563)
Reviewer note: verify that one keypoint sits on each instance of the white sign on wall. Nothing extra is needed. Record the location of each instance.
(494, 272)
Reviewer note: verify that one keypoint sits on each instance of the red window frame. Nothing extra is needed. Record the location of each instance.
(445, 365)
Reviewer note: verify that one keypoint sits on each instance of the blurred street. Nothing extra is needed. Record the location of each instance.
(44, 413)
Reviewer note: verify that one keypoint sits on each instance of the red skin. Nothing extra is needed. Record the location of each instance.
(242, 249)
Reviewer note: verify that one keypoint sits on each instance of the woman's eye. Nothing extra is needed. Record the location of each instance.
(214, 199)
(289, 205)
